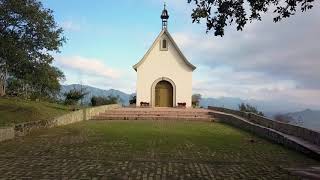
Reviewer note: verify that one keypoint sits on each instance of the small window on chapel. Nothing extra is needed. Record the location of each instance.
(164, 45)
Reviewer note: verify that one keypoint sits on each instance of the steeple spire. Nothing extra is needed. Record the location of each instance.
(164, 17)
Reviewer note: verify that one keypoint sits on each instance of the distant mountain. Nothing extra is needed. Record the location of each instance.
(307, 118)
(268, 107)
(227, 102)
(92, 91)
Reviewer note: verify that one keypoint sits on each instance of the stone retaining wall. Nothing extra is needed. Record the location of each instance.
(266, 132)
(297, 131)
(85, 114)
(6, 133)
(95, 111)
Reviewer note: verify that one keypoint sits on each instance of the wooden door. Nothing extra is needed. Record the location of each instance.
(164, 94)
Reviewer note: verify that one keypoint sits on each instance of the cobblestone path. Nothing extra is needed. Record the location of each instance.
(145, 150)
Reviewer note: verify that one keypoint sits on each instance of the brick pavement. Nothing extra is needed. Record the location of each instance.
(82, 152)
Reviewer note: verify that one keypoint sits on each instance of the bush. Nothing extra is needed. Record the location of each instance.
(74, 96)
(99, 100)
(248, 108)
(196, 100)
(14, 87)
(133, 100)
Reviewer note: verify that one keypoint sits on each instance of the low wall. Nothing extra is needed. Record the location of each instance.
(85, 114)
(95, 111)
(6, 133)
(229, 111)
(77, 116)
(297, 131)
(266, 132)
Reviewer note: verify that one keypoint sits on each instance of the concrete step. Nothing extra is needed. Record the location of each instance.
(161, 110)
(152, 116)
(146, 112)
(162, 118)
(154, 113)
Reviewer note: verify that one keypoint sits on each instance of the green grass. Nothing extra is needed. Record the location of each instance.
(107, 146)
(202, 141)
(13, 110)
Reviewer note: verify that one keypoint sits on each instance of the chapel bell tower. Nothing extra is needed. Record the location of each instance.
(164, 17)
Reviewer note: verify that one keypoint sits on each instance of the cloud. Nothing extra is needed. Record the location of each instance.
(90, 66)
(287, 49)
(265, 61)
(222, 81)
(94, 72)
(218, 82)
(69, 25)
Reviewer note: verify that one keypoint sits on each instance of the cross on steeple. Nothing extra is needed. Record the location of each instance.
(164, 17)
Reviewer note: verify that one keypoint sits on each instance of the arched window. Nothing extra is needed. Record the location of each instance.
(164, 44)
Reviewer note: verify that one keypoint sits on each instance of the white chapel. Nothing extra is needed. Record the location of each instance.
(164, 75)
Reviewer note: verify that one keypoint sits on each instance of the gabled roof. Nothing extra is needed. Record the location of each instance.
(165, 31)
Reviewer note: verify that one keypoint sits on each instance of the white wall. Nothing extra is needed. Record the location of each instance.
(167, 64)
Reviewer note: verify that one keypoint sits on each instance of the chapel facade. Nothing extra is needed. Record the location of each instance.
(164, 75)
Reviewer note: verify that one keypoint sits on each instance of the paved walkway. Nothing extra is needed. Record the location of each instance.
(139, 150)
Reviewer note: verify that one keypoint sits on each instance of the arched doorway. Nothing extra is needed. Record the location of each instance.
(164, 94)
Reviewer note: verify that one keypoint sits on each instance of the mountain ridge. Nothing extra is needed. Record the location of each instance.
(93, 91)
(270, 108)
(307, 118)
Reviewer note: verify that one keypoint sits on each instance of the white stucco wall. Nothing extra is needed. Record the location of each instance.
(167, 64)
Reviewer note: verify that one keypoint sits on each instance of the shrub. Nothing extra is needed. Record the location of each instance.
(100, 100)
(74, 96)
(133, 100)
(248, 108)
(196, 100)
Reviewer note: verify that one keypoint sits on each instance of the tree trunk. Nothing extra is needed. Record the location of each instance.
(2, 88)
(3, 78)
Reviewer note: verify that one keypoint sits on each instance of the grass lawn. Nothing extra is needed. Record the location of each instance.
(151, 149)
(14, 110)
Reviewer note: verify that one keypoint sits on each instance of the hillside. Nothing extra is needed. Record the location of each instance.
(17, 111)
(307, 118)
(92, 91)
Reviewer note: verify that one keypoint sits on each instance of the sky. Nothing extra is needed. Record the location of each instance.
(267, 61)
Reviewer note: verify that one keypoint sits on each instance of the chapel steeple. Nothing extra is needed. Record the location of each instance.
(164, 17)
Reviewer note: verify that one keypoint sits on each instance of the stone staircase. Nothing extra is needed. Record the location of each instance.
(156, 114)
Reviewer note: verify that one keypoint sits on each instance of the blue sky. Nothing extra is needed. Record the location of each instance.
(266, 61)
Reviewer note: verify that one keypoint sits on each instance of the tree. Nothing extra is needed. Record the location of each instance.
(220, 13)
(99, 100)
(28, 36)
(249, 108)
(74, 96)
(196, 100)
(44, 81)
